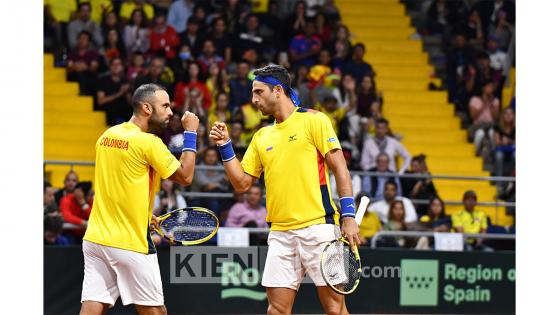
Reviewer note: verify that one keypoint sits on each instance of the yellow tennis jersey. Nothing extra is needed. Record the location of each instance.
(126, 160)
(292, 156)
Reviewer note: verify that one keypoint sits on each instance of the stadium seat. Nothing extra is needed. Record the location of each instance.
(71, 127)
(422, 117)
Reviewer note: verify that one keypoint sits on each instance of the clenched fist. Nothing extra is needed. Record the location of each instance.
(219, 133)
(189, 121)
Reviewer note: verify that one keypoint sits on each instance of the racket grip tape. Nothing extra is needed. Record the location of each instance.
(189, 141)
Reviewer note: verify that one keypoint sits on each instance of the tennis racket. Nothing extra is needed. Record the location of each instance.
(341, 266)
(187, 226)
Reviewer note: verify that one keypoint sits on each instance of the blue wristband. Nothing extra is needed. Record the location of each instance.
(226, 151)
(189, 141)
(347, 207)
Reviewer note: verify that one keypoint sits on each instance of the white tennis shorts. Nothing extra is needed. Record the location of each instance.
(111, 272)
(292, 254)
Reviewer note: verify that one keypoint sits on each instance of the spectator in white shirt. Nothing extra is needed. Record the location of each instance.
(381, 207)
(497, 57)
(382, 143)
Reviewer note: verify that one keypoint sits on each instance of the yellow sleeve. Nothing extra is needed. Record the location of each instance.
(322, 133)
(159, 157)
(251, 163)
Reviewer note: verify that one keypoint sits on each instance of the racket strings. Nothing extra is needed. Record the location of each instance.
(341, 267)
(189, 225)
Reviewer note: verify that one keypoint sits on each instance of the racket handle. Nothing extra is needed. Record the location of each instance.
(364, 201)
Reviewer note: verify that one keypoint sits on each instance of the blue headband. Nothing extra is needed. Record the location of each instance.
(273, 81)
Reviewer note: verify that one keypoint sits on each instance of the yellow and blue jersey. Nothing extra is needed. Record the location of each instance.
(291, 154)
(127, 162)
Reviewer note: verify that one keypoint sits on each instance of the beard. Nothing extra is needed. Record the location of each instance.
(155, 125)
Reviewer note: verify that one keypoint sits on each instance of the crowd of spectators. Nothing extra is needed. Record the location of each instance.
(203, 53)
(476, 37)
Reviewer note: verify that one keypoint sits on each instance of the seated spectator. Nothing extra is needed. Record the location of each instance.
(441, 15)
(370, 223)
(217, 82)
(240, 87)
(70, 182)
(130, 5)
(110, 22)
(375, 185)
(473, 29)
(382, 143)
(481, 74)
(304, 48)
(52, 234)
(248, 213)
(194, 79)
(504, 141)
(345, 94)
(235, 134)
(459, 59)
(163, 38)
(76, 208)
(209, 180)
(113, 46)
(357, 66)
(419, 188)
(356, 179)
(209, 57)
(83, 64)
(57, 14)
(249, 38)
(490, 10)
(322, 28)
(341, 48)
(49, 201)
(136, 67)
(330, 108)
(221, 39)
(436, 220)
(502, 31)
(252, 119)
(498, 58)
(179, 13)
(484, 110)
(191, 36)
(173, 135)
(470, 220)
(168, 199)
(154, 75)
(137, 33)
(112, 94)
(367, 101)
(395, 222)
(220, 112)
(296, 21)
(381, 207)
(84, 24)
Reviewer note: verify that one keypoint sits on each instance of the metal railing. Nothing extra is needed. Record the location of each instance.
(494, 203)
(431, 234)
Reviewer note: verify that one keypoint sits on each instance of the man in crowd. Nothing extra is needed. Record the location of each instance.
(70, 182)
(381, 207)
(470, 220)
(84, 23)
(383, 143)
(112, 94)
(250, 212)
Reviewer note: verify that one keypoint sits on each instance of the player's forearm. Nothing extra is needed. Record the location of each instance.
(240, 180)
(187, 160)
